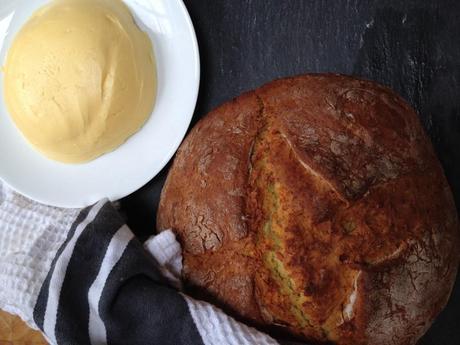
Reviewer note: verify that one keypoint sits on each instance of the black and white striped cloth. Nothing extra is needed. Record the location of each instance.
(103, 286)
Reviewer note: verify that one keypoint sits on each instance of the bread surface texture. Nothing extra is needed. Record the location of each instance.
(316, 203)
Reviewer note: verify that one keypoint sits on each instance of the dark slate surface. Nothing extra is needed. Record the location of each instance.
(412, 46)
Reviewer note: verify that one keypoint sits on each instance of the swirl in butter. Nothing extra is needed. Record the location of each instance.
(80, 79)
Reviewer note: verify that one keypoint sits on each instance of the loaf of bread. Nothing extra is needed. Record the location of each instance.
(317, 204)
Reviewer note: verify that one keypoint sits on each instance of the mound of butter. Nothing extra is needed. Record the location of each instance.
(80, 78)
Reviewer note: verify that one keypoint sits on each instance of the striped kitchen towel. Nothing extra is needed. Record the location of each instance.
(81, 277)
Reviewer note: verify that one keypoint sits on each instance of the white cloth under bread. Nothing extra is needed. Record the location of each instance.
(31, 235)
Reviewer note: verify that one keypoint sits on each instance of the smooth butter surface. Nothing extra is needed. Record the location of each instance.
(80, 78)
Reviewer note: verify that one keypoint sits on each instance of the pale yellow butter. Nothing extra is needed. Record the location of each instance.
(80, 78)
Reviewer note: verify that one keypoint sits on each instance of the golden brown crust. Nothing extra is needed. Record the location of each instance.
(317, 203)
(207, 208)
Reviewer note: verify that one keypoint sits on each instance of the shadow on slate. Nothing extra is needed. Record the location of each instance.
(140, 208)
(411, 45)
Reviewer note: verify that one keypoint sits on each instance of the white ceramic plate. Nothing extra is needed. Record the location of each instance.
(119, 173)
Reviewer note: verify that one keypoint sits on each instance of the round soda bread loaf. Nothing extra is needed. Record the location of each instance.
(316, 203)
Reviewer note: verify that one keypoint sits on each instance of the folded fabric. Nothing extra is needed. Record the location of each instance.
(81, 277)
